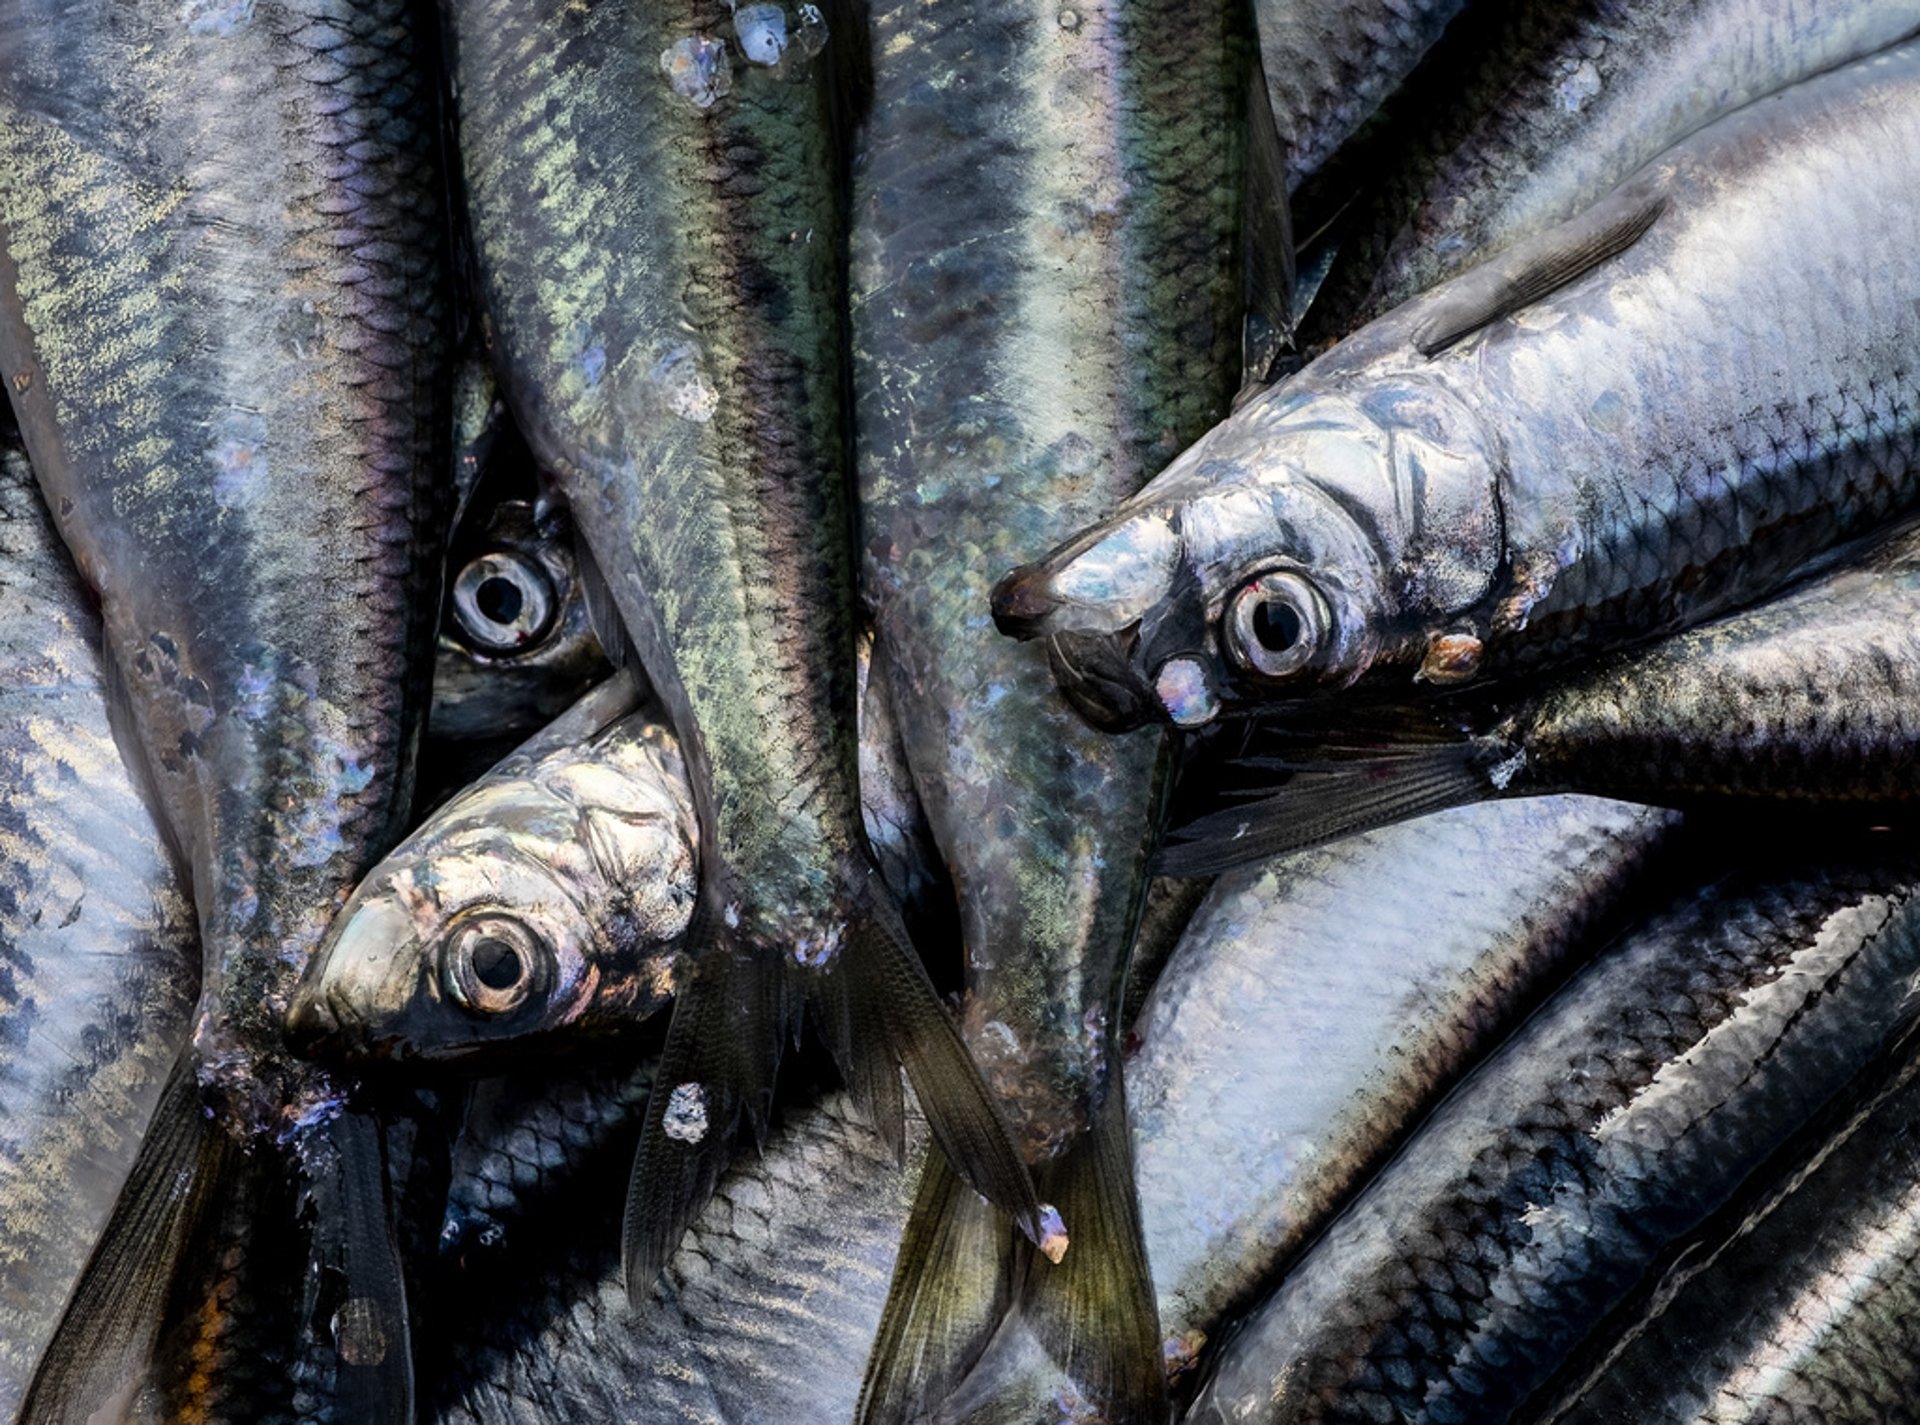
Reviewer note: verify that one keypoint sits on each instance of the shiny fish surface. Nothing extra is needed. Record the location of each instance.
(1611, 1124)
(98, 957)
(1810, 1314)
(1557, 104)
(1618, 459)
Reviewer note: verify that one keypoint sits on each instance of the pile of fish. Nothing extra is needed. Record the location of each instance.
(906, 711)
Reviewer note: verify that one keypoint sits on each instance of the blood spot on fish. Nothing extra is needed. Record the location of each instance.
(238, 454)
(685, 1120)
(684, 385)
(762, 33)
(358, 1333)
(698, 70)
(1578, 84)
(216, 17)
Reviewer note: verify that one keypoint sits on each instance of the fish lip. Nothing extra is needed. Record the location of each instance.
(1097, 676)
(1022, 603)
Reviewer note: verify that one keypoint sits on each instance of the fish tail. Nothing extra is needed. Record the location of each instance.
(891, 1002)
(1291, 797)
(102, 1350)
(730, 1022)
(1094, 1310)
(953, 1284)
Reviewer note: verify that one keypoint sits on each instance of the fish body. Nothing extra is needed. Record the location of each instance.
(655, 195)
(1803, 700)
(1066, 323)
(1521, 467)
(1621, 1115)
(96, 936)
(1545, 107)
(223, 327)
(1329, 65)
(1809, 1311)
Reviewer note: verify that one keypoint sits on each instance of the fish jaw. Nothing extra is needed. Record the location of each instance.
(1307, 542)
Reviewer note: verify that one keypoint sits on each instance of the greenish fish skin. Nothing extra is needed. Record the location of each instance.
(1612, 1124)
(1106, 230)
(98, 954)
(1808, 1315)
(1616, 460)
(224, 334)
(1329, 64)
(1554, 104)
(579, 853)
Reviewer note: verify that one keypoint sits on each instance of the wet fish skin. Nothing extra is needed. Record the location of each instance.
(1613, 1123)
(1614, 461)
(98, 952)
(1807, 1314)
(1542, 108)
(1330, 65)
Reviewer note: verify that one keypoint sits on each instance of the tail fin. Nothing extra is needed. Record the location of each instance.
(730, 1022)
(952, 1286)
(104, 1344)
(1094, 1311)
(1260, 804)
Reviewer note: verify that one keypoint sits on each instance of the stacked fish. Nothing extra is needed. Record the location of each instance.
(1260, 604)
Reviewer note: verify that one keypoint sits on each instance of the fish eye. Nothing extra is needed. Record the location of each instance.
(1275, 625)
(504, 601)
(493, 964)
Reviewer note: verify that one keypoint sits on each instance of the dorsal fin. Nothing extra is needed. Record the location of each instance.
(1540, 265)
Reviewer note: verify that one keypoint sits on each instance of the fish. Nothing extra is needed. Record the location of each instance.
(1534, 111)
(1806, 1312)
(1047, 287)
(550, 902)
(666, 308)
(1614, 1122)
(1328, 66)
(1573, 447)
(1800, 702)
(98, 948)
(223, 329)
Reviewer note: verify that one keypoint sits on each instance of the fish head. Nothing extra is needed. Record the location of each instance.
(1309, 541)
(536, 907)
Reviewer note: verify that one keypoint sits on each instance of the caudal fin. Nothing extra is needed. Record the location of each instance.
(953, 1284)
(1094, 1310)
(102, 1350)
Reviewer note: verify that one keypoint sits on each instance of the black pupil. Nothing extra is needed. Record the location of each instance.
(499, 599)
(496, 964)
(1276, 624)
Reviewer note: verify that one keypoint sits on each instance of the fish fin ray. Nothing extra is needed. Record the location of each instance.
(1094, 1310)
(107, 1335)
(1317, 799)
(603, 612)
(1266, 241)
(1537, 267)
(952, 1286)
(892, 990)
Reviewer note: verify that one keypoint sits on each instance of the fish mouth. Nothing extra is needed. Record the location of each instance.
(1096, 674)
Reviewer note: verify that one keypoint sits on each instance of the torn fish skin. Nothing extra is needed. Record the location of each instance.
(97, 935)
(1804, 702)
(1614, 1122)
(1066, 325)
(1810, 1309)
(1576, 446)
(1534, 111)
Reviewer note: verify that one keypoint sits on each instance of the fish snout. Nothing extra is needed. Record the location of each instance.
(1023, 602)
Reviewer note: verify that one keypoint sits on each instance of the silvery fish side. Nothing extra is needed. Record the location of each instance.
(1804, 701)
(1581, 444)
(223, 328)
(1606, 1129)
(1046, 294)
(98, 956)
(1547, 106)
(1810, 1312)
